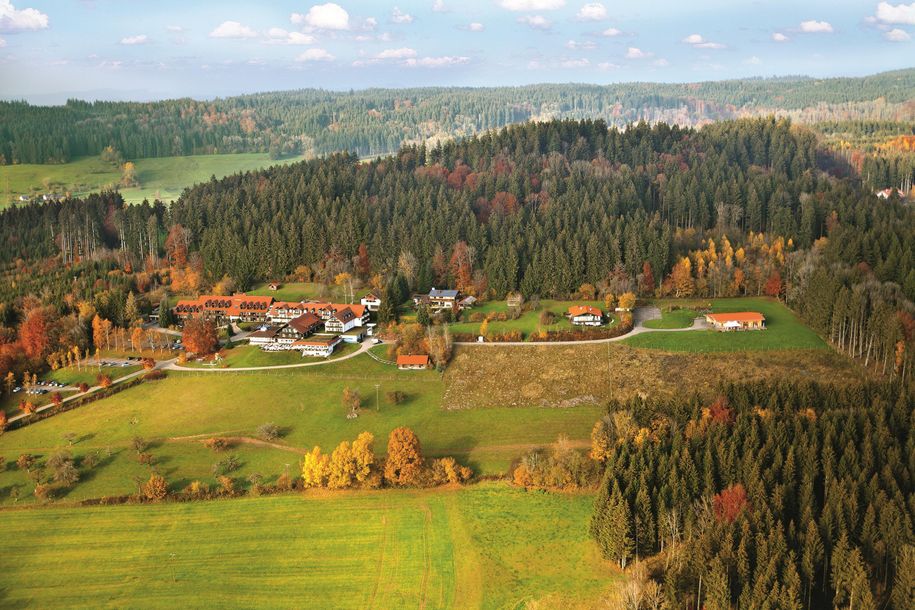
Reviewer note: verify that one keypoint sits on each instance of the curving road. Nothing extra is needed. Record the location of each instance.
(639, 316)
(174, 366)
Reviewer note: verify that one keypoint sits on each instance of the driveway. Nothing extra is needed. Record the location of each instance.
(363, 347)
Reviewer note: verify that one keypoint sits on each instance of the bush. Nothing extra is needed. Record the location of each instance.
(268, 432)
(396, 397)
(154, 375)
(227, 465)
(547, 317)
(216, 444)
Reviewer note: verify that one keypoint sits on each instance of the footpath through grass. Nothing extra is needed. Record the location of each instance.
(784, 331)
(164, 177)
(485, 546)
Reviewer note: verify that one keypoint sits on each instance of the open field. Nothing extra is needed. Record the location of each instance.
(178, 413)
(673, 318)
(164, 178)
(784, 331)
(251, 355)
(569, 376)
(304, 291)
(71, 376)
(485, 546)
(529, 321)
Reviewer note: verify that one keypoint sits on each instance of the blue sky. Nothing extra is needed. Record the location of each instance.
(144, 49)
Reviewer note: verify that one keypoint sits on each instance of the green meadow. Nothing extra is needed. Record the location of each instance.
(783, 331)
(528, 322)
(483, 546)
(160, 178)
(176, 414)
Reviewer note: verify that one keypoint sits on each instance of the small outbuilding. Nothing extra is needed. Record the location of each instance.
(413, 362)
(742, 320)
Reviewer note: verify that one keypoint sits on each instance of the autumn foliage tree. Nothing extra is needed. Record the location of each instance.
(404, 462)
(200, 336)
(155, 488)
(730, 503)
(35, 333)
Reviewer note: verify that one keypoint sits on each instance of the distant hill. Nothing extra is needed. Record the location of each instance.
(378, 121)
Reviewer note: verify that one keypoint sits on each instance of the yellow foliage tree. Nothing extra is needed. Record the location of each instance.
(627, 300)
(314, 468)
(363, 455)
(342, 467)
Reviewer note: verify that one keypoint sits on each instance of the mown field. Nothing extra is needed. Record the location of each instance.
(244, 355)
(303, 291)
(484, 546)
(529, 321)
(176, 414)
(784, 331)
(163, 178)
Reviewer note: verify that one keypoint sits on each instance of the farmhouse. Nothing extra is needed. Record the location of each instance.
(412, 362)
(320, 347)
(439, 299)
(340, 321)
(371, 301)
(283, 336)
(236, 308)
(585, 315)
(743, 320)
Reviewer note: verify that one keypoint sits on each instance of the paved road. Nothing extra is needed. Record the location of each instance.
(162, 364)
(363, 347)
(639, 316)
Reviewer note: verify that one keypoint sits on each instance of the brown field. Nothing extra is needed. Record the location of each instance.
(550, 375)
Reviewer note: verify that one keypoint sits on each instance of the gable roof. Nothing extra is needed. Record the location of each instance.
(344, 315)
(582, 310)
(413, 360)
(740, 316)
(305, 322)
(443, 294)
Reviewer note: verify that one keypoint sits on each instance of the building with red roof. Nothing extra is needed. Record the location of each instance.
(741, 320)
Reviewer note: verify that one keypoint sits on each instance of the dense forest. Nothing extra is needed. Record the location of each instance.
(735, 208)
(378, 121)
(773, 496)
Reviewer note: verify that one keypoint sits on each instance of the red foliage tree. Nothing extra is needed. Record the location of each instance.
(462, 264)
(363, 263)
(104, 381)
(57, 399)
(199, 336)
(730, 503)
(504, 203)
(773, 286)
(176, 245)
(34, 334)
(646, 286)
(720, 412)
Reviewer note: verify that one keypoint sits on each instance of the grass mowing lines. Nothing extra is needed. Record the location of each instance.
(319, 550)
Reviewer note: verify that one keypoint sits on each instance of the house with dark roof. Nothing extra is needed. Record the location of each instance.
(437, 299)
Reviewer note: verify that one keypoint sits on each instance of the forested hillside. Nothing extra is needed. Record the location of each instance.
(377, 121)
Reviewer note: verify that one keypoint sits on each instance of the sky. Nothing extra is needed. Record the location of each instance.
(151, 49)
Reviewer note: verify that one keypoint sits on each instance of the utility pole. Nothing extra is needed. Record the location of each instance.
(377, 385)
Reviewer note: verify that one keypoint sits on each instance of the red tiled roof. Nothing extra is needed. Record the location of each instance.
(413, 360)
(305, 322)
(740, 316)
(580, 310)
(317, 342)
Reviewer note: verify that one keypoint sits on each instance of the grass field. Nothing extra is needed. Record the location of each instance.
(305, 402)
(164, 178)
(252, 355)
(784, 331)
(303, 291)
(485, 546)
(673, 318)
(70, 376)
(529, 321)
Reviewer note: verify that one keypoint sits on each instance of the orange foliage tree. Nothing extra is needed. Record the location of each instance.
(404, 463)
(730, 503)
(34, 334)
(199, 336)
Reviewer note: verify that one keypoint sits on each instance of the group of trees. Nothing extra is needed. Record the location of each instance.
(354, 465)
(795, 496)
(380, 121)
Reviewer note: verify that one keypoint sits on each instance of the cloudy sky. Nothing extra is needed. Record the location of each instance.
(145, 49)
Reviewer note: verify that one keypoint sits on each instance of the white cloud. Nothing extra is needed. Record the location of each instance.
(661, 63)
(439, 6)
(401, 53)
(436, 62)
(328, 16)
(637, 53)
(779, 37)
(899, 13)
(175, 29)
(753, 61)
(232, 29)
(532, 5)
(370, 23)
(2, 43)
(897, 35)
(13, 20)
(698, 42)
(132, 40)
(611, 32)
(607, 65)
(575, 63)
(398, 16)
(593, 11)
(536, 22)
(476, 26)
(816, 27)
(315, 55)
(281, 36)
(574, 44)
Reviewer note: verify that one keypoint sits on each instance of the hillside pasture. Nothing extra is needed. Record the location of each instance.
(528, 322)
(784, 330)
(486, 546)
(160, 178)
(306, 291)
